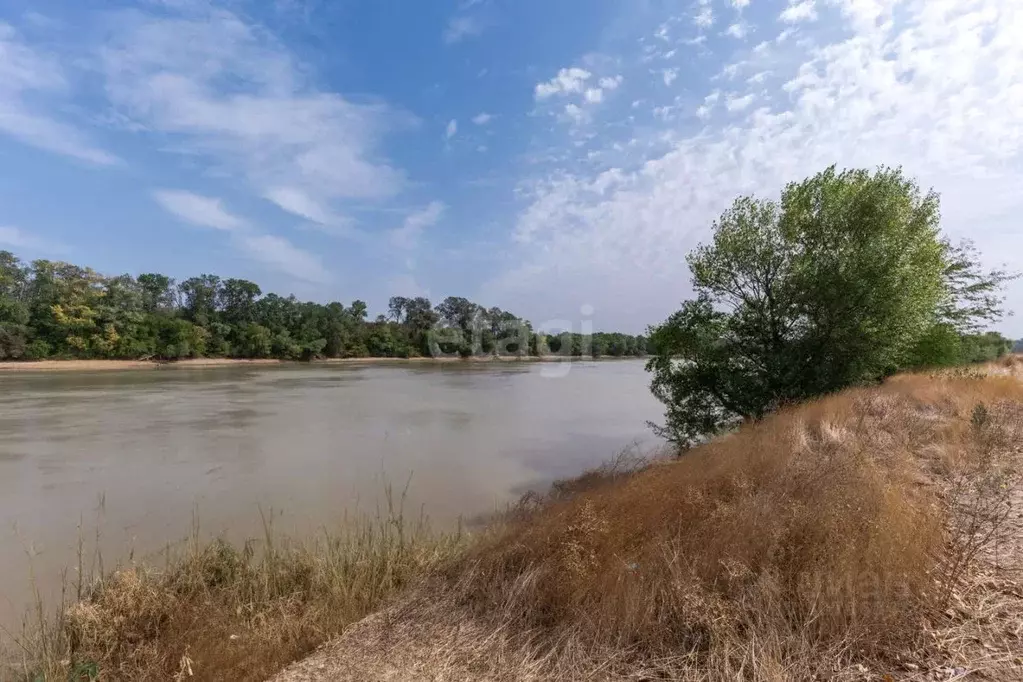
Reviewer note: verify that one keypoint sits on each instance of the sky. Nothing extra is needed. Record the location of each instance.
(556, 158)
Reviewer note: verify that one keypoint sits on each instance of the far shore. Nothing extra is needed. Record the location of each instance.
(201, 363)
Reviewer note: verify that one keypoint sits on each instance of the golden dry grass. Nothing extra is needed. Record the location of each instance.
(217, 612)
(843, 539)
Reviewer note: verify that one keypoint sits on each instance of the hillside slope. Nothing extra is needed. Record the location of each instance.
(875, 534)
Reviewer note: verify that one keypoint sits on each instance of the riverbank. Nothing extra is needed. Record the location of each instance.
(201, 363)
(874, 534)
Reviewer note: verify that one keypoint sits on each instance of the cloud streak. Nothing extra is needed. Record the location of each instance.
(199, 210)
(26, 75)
(463, 27)
(15, 238)
(229, 93)
(408, 235)
(272, 251)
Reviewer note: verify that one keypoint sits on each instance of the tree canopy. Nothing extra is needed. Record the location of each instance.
(53, 309)
(846, 280)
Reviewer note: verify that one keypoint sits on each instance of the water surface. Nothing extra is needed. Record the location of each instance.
(139, 454)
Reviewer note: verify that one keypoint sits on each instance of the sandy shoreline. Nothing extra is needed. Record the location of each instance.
(200, 363)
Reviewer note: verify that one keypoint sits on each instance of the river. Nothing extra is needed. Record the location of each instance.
(139, 455)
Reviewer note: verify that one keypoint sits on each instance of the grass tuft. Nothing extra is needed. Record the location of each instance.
(221, 612)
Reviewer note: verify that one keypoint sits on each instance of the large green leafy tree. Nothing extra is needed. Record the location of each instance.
(846, 280)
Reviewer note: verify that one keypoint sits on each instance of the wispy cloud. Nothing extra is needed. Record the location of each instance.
(579, 84)
(408, 235)
(231, 94)
(15, 238)
(198, 209)
(28, 76)
(738, 30)
(295, 201)
(272, 251)
(704, 18)
(738, 102)
(570, 80)
(462, 27)
(281, 255)
(451, 129)
(482, 119)
(801, 10)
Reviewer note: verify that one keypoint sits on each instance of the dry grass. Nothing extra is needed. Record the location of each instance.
(821, 538)
(217, 612)
(851, 538)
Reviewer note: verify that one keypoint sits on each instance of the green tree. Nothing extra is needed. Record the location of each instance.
(14, 313)
(840, 283)
(157, 293)
(256, 341)
(462, 322)
(199, 298)
(64, 300)
(236, 300)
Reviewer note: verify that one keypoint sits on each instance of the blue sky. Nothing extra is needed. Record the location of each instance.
(546, 157)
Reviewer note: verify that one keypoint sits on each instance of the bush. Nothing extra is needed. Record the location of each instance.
(37, 350)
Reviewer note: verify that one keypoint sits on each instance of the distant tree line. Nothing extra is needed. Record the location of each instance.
(58, 310)
(845, 281)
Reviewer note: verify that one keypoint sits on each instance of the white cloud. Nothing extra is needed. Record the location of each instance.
(937, 91)
(198, 209)
(577, 82)
(611, 82)
(272, 251)
(575, 113)
(14, 238)
(739, 4)
(462, 27)
(230, 95)
(738, 103)
(571, 80)
(737, 30)
(26, 76)
(704, 18)
(407, 285)
(407, 236)
(669, 76)
(482, 119)
(803, 10)
(452, 129)
(295, 201)
(729, 71)
(281, 255)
